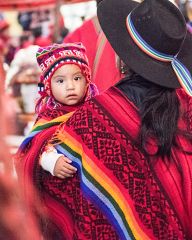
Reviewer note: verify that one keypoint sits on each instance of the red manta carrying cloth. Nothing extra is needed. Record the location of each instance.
(116, 194)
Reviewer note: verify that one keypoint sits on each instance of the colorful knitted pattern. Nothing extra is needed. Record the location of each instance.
(41, 125)
(52, 57)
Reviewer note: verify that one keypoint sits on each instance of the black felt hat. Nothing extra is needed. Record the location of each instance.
(160, 24)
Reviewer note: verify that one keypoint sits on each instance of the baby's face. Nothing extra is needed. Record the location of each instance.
(68, 84)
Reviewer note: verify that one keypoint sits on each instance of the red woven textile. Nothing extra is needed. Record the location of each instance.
(160, 197)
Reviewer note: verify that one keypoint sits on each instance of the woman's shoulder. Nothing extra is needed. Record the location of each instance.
(183, 96)
(185, 103)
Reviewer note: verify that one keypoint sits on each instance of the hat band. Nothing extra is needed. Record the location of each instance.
(180, 70)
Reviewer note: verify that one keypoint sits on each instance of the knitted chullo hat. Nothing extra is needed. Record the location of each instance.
(52, 57)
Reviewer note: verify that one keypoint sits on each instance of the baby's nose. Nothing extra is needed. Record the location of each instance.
(70, 85)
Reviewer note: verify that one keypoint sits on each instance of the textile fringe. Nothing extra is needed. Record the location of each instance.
(57, 137)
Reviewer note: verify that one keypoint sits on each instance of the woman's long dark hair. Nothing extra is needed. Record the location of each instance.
(159, 113)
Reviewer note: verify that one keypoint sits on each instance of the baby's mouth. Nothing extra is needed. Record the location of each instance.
(71, 95)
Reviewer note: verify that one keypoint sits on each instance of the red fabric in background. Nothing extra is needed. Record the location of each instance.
(101, 56)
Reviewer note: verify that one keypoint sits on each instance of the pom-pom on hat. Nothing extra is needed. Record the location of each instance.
(52, 57)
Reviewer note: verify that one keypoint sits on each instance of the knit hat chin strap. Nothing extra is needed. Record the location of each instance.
(92, 91)
(183, 75)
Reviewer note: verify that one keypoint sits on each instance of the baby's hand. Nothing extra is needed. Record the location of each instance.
(63, 168)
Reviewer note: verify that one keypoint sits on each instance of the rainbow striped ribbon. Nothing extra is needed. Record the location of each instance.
(43, 124)
(180, 70)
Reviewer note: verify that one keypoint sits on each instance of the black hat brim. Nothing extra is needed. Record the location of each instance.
(112, 16)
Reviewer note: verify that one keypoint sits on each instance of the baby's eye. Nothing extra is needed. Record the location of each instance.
(60, 81)
(77, 78)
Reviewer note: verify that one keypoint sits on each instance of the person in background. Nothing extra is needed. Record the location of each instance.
(21, 85)
(16, 221)
(7, 46)
(188, 10)
(24, 19)
(132, 144)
